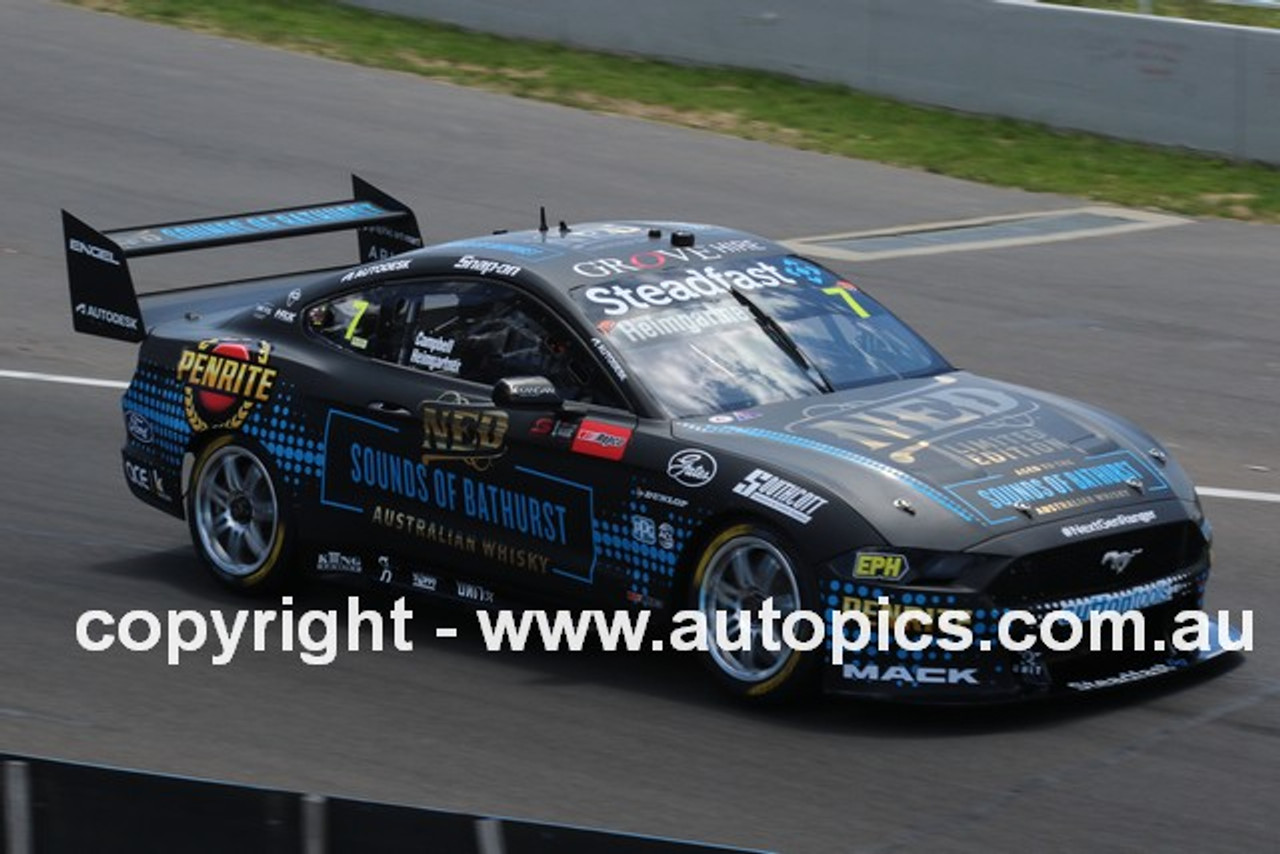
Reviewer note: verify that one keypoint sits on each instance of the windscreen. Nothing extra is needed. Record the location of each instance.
(747, 332)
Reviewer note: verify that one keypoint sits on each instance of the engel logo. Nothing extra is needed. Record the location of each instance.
(97, 253)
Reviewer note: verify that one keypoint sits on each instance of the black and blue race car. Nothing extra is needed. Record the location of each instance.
(650, 415)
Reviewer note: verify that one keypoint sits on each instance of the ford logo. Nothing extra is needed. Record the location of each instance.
(691, 467)
(139, 427)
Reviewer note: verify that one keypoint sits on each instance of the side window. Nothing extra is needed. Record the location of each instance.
(485, 331)
(370, 322)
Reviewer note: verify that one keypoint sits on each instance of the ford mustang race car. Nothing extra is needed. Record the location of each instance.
(637, 415)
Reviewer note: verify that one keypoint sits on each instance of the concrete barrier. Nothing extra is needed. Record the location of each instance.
(1205, 86)
(49, 806)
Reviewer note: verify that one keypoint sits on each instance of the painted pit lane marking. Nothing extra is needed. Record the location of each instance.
(32, 376)
(992, 232)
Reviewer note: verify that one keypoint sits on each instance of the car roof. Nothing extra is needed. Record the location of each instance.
(596, 251)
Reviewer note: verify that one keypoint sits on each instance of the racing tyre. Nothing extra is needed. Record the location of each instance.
(737, 571)
(238, 518)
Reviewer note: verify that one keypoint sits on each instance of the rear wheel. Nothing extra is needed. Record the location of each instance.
(237, 518)
(737, 571)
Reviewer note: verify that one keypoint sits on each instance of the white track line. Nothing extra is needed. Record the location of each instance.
(1207, 491)
(61, 378)
(1133, 220)
(1238, 494)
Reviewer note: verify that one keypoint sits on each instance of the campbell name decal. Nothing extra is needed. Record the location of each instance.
(223, 381)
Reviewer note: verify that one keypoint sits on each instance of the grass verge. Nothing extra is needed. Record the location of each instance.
(756, 105)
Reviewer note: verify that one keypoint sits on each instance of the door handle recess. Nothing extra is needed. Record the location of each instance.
(388, 408)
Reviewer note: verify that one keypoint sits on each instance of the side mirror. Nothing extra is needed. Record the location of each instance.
(527, 393)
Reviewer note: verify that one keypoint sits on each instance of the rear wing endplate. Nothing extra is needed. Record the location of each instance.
(103, 299)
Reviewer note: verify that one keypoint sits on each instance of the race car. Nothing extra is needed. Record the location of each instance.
(644, 415)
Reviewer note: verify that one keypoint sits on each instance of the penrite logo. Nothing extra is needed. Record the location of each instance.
(224, 381)
(452, 432)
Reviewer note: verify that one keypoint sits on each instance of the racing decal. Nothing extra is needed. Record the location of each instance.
(910, 674)
(601, 439)
(884, 566)
(692, 285)
(1039, 491)
(150, 480)
(655, 259)
(465, 433)
(223, 381)
(1108, 523)
(610, 359)
(377, 269)
(377, 470)
(97, 253)
(692, 468)
(339, 562)
(486, 267)
(434, 353)
(781, 495)
(242, 226)
(138, 427)
(902, 425)
(106, 315)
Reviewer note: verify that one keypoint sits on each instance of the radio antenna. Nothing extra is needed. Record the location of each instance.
(542, 219)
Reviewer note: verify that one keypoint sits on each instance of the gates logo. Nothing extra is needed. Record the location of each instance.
(223, 381)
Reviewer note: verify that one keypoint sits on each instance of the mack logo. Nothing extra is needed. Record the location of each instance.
(476, 436)
(914, 675)
(692, 468)
(224, 381)
(1117, 561)
(97, 253)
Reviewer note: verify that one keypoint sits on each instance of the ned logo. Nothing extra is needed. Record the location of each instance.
(881, 566)
(474, 436)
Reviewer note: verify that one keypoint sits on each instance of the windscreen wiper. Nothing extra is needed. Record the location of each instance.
(788, 344)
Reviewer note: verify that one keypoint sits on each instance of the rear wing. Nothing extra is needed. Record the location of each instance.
(103, 299)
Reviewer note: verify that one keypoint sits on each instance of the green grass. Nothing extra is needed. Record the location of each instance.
(1197, 10)
(755, 105)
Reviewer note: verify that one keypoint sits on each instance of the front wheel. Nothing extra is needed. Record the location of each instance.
(737, 571)
(237, 518)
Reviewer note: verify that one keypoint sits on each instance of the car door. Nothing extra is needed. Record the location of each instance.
(426, 482)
